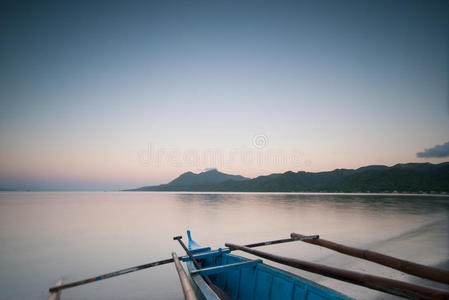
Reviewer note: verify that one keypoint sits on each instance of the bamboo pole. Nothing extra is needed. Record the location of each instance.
(189, 293)
(57, 294)
(394, 287)
(305, 237)
(408, 267)
(109, 275)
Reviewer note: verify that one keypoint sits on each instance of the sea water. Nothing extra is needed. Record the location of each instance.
(45, 236)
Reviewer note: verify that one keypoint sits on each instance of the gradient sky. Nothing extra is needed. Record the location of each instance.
(107, 95)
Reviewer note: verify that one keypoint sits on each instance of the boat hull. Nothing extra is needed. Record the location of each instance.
(258, 281)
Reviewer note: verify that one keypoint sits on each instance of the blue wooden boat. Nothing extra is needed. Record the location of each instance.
(221, 275)
(241, 278)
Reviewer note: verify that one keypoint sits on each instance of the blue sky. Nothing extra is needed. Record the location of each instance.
(90, 91)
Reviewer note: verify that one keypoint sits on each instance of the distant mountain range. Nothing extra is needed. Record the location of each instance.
(190, 181)
(411, 177)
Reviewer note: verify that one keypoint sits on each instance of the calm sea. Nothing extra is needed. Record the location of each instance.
(46, 236)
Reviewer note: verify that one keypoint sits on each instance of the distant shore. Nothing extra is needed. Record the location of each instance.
(241, 193)
(410, 178)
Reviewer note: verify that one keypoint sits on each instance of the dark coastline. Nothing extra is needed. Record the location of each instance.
(401, 178)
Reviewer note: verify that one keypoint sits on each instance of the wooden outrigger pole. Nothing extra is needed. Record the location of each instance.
(394, 287)
(187, 288)
(109, 275)
(56, 294)
(408, 267)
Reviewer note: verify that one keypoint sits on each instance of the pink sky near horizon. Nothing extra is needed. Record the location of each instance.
(134, 169)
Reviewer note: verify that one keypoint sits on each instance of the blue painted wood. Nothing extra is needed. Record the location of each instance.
(206, 255)
(201, 288)
(200, 250)
(252, 283)
(192, 244)
(226, 268)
